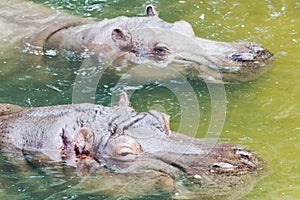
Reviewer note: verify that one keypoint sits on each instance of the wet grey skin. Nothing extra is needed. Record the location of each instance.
(149, 39)
(90, 136)
(125, 42)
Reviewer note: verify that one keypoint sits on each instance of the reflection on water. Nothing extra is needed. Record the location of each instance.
(262, 115)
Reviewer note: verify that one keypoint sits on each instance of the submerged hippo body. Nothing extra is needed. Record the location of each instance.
(122, 140)
(123, 42)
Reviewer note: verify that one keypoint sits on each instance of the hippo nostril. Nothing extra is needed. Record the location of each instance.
(243, 56)
(243, 153)
(224, 165)
(255, 47)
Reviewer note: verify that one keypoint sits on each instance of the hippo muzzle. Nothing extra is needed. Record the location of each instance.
(175, 155)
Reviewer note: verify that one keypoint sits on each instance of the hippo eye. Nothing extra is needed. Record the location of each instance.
(161, 49)
(125, 151)
(122, 147)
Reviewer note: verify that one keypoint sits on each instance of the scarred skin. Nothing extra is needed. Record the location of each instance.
(125, 42)
(90, 137)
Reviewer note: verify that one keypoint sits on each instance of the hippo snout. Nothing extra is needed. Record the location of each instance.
(255, 53)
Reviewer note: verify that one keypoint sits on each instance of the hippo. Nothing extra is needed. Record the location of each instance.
(124, 42)
(89, 137)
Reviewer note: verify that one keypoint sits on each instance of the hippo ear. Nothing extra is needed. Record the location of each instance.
(84, 151)
(151, 12)
(123, 102)
(121, 37)
(83, 143)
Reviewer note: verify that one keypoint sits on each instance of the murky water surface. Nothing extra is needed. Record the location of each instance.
(262, 115)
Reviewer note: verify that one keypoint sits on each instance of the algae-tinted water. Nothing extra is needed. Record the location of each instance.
(262, 115)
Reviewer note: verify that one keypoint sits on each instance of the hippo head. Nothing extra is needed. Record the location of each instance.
(156, 42)
(122, 142)
(144, 143)
(149, 41)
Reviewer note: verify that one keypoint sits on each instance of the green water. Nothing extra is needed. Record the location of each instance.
(262, 115)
